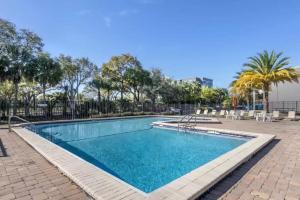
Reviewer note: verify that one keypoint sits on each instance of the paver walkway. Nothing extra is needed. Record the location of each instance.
(274, 173)
(25, 174)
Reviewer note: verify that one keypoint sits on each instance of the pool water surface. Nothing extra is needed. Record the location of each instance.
(132, 150)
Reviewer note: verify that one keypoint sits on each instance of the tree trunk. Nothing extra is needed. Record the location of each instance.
(107, 102)
(248, 103)
(122, 90)
(16, 85)
(8, 107)
(77, 94)
(44, 92)
(99, 101)
(27, 105)
(138, 96)
(153, 104)
(65, 103)
(72, 103)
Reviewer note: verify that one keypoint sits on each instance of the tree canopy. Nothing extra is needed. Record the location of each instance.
(30, 73)
(263, 70)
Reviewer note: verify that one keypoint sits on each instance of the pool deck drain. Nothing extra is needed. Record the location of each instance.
(102, 185)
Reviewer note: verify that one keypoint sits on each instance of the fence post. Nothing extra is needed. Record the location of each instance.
(9, 123)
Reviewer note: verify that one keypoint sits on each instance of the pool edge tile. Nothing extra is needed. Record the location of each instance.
(188, 186)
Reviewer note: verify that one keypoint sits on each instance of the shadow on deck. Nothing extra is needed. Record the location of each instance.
(230, 180)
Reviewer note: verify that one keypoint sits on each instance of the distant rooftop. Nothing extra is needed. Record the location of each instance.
(207, 82)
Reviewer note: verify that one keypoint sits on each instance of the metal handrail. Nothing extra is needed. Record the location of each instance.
(178, 123)
(189, 118)
(19, 118)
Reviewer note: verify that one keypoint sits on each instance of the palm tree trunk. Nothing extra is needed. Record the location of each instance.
(266, 97)
(267, 100)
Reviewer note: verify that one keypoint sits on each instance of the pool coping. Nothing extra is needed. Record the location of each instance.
(101, 185)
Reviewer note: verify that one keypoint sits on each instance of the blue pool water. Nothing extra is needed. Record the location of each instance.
(130, 149)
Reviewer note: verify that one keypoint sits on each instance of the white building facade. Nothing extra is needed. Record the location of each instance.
(285, 96)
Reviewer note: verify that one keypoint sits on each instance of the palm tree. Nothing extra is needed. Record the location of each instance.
(241, 88)
(266, 69)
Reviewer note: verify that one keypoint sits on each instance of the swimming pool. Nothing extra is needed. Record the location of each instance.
(132, 150)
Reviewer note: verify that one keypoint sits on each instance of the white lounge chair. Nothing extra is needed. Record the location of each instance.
(261, 116)
(269, 117)
(231, 114)
(251, 114)
(291, 115)
(222, 113)
(275, 115)
(240, 115)
(213, 113)
(198, 112)
(205, 112)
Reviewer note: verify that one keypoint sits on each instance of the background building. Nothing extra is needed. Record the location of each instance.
(286, 91)
(205, 82)
(285, 96)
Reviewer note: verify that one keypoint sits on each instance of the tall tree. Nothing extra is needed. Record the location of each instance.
(6, 94)
(192, 92)
(208, 96)
(266, 69)
(76, 73)
(95, 85)
(48, 72)
(115, 69)
(18, 49)
(222, 94)
(85, 70)
(153, 89)
(69, 79)
(137, 78)
(172, 92)
(241, 89)
(28, 91)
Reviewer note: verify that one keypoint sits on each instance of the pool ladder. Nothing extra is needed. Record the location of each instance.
(188, 124)
(19, 118)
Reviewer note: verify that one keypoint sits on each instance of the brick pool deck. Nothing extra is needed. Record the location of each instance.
(273, 173)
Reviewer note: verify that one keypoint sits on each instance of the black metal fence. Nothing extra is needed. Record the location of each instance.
(285, 106)
(55, 110)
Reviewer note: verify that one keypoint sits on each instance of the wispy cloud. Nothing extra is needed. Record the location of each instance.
(146, 1)
(126, 12)
(84, 12)
(107, 21)
(118, 15)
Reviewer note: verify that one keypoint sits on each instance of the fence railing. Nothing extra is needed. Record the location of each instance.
(55, 110)
(285, 106)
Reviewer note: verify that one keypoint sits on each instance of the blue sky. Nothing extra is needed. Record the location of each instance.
(211, 38)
